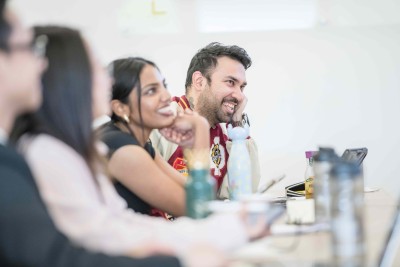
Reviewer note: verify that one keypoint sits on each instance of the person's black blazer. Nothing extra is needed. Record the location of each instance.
(28, 236)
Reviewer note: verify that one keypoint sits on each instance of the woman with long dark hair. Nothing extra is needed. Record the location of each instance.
(141, 103)
(61, 150)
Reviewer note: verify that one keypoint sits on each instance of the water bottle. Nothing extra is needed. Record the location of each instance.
(200, 189)
(239, 165)
(347, 214)
(309, 174)
(322, 166)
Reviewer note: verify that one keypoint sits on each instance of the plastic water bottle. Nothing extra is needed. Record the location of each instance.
(347, 214)
(239, 165)
(200, 189)
(323, 163)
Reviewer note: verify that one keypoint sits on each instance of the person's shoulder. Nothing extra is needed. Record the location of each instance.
(45, 147)
(110, 131)
(114, 138)
(7, 151)
(42, 142)
(9, 157)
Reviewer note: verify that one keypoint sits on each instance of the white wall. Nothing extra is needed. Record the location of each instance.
(333, 82)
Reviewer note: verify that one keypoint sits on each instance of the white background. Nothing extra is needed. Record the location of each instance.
(324, 72)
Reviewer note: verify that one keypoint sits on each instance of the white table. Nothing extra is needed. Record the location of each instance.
(314, 249)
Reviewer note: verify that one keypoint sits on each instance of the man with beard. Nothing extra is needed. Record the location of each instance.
(214, 85)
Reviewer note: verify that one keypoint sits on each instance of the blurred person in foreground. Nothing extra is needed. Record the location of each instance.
(28, 236)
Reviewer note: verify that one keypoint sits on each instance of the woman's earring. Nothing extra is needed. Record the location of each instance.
(126, 118)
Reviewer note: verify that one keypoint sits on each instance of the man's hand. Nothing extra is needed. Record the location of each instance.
(237, 116)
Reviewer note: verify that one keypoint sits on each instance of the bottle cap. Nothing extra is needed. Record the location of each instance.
(309, 154)
(325, 154)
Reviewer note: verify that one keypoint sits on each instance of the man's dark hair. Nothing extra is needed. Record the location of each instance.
(5, 28)
(206, 59)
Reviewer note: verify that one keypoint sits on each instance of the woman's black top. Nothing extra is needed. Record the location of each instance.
(114, 138)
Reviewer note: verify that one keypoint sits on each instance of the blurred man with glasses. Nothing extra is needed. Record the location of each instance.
(28, 237)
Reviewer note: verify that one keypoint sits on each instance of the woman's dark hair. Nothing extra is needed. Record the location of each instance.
(66, 111)
(5, 29)
(126, 74)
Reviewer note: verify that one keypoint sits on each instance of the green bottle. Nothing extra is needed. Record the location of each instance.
(199, 190)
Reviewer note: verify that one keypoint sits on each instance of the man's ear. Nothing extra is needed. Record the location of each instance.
(198, 81)
(120, 109)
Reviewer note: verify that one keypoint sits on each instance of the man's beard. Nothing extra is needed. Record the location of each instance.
(210, 108)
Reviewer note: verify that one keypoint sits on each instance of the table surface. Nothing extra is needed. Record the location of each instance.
(314, 249)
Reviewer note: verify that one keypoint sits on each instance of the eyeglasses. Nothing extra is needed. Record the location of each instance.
(37, 46)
